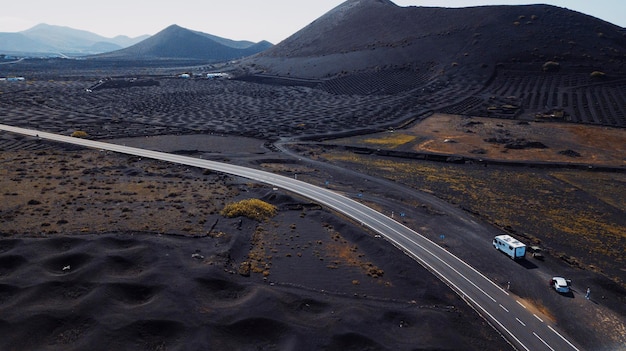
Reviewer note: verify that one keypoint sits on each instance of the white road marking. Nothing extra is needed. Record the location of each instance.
(521, 304)
(561, 336)
(545, 343)
(504, 308)
(541, 320)
(520, 322)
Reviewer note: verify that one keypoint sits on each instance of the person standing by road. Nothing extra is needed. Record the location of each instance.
(588, 294)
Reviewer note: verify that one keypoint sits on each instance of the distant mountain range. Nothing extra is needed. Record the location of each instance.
(368, 35)
(50, 40)
(174, 42)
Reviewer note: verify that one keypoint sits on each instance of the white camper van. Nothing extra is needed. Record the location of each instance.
(510, 246)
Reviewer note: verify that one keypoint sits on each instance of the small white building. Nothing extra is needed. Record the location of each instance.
(13, 79)
(217, 75)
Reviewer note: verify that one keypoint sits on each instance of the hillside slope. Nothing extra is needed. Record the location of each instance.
(15, 43)
(51, 40)
(524, 62)
(370, 34)
(175, 42)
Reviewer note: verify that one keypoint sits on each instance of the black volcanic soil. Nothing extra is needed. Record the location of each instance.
(273, 108)
(533, 203)
(151, 264)
(146, 291)
(106, 252)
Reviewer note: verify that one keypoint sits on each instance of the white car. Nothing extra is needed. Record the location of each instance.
(560, 284)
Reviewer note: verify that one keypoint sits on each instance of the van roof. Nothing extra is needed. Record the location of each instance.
(510, 240)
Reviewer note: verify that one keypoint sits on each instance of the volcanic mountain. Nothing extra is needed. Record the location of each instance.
(499, 61)
(175, 42)
(374, 34)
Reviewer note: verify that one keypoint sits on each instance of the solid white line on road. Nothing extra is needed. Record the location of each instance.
(541, 320)
(477, 272)
(520, 322)
(463, 294)
(460, 291)
(545, 343)
(504, 308)
(435, 256)
(521, 304)
(561, 336)
(490, 316)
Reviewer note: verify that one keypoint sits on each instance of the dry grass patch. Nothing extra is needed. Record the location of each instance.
(464, 136)
(258, 259)
(340, 251)
(390, 140)
(79, 134)
(607, 187)
(89, 191)
(583, 217)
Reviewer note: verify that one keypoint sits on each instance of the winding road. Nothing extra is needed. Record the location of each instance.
(523, 328)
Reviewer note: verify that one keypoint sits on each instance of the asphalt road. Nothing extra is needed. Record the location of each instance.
(525, 329)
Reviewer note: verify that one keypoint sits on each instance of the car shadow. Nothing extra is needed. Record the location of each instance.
(569, 294)
(527, 264)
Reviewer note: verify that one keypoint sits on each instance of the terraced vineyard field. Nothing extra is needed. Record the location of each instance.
(572, 97)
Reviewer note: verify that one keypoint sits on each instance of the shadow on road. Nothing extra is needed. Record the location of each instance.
(527, 264)
(569, 294)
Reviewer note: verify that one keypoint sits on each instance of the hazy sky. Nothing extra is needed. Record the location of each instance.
(254, 20)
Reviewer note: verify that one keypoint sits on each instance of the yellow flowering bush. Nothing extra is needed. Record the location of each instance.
(252, 208)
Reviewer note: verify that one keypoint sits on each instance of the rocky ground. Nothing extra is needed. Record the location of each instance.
(106, 251)
(103, 251)
(124, 226)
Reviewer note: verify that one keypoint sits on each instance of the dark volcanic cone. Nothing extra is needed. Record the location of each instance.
(175, 42)
(361, 35)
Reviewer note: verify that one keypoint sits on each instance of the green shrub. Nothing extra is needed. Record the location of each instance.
(251, 208)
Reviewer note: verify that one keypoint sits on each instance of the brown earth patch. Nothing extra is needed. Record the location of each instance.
(469, 137)
(50, 192)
